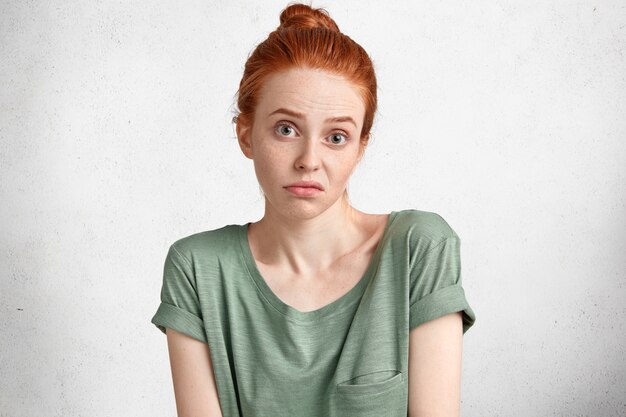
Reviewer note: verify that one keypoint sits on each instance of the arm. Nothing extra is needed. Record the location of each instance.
(192, 373)
(435, 350)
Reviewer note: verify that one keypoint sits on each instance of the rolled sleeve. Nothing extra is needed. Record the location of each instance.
(180, 307)
(436, 285)
(439, 303)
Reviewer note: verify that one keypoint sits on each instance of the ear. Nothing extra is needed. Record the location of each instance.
(243, 136)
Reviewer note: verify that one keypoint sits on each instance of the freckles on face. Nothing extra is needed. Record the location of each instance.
(307, 125)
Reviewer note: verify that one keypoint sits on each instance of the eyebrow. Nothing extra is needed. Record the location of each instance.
(301, 116)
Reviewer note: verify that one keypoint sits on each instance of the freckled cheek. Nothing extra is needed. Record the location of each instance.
(268, 155)
(270, 165)
(344, 174)
(339, 171)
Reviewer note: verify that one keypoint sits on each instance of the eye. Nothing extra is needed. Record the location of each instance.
(336, 138)
(284, 129)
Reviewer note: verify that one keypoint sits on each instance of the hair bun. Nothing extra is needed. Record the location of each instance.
(301, 16)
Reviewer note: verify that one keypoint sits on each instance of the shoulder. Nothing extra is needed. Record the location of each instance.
(423, 231)
(208, 244)
(424, 224)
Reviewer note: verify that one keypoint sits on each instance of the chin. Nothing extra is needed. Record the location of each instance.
(302, 209)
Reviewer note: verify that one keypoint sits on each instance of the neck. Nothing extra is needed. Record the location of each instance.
(308, 243)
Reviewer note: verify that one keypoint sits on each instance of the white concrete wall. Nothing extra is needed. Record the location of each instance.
(508, 118)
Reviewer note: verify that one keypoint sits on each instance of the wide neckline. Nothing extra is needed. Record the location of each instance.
(334, 307)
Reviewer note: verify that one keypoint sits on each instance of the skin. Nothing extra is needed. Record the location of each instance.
(195, 388)
(306, 235)
(435, 352)
(301, 245)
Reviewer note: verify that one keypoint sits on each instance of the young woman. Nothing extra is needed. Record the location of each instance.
(317, 309)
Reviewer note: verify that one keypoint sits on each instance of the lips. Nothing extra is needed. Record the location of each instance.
(306, 184)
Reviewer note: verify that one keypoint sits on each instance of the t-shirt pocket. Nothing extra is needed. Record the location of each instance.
(379, 393)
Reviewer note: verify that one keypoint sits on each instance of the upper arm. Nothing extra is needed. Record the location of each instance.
(435, 350)
(192, 373)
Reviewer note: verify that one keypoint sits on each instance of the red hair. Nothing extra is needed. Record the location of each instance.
(308, 38)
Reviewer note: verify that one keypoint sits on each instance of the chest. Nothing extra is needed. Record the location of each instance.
(309, 293)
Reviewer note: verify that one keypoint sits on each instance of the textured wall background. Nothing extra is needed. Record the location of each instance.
(507, 118)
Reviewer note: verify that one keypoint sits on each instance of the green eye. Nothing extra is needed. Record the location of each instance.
(285, 130)
(336, 138)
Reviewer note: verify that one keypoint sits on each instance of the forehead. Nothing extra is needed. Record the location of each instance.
(312, 92)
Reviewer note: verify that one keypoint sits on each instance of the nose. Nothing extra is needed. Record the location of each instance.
(308, 159)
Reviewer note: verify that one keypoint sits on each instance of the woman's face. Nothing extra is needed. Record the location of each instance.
(306, 127)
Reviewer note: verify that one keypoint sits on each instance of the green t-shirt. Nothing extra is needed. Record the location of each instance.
(348, 358)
